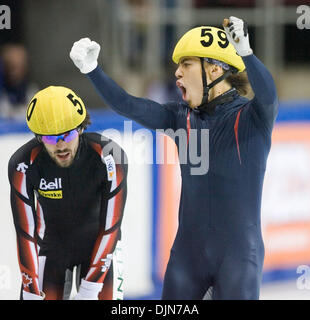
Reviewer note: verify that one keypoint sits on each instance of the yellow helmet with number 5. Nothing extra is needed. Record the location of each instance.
(55, 110)
(207, 42)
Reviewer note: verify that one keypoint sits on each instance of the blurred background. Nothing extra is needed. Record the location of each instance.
(137, 38)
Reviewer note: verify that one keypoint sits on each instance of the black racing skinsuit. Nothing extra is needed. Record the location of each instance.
(219, 241)
(66, 217)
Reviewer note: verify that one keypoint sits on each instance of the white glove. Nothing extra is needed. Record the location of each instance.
(88, 290)
(237, 29)
(84, 54)
(32, 296)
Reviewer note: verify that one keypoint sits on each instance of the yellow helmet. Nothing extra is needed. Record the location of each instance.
(55, 110)
(208, 42)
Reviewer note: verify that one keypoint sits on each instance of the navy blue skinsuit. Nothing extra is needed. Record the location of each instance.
(219, 241)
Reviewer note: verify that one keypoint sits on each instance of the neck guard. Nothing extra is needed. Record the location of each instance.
(209, 107)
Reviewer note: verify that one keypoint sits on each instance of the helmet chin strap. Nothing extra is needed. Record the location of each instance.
(205, 105)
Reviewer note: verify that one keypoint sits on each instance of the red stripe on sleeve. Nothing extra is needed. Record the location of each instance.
(99, 272)
(188, 125)
(97, 147)
(34, 153)
(236, 133)
(26, 249)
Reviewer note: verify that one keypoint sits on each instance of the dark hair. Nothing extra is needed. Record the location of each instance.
(240, 82)
(86, 122)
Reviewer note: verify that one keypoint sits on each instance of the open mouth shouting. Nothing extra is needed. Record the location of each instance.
(182, 88)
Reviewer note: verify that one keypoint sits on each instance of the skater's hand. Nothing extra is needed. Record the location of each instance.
(88, 290)
(237, 34)
(84, 54)
(32, 296)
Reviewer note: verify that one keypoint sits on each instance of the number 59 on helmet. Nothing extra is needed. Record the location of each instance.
(207, 42)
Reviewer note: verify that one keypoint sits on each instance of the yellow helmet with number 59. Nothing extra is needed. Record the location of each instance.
(207, 42)
(55, 110)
